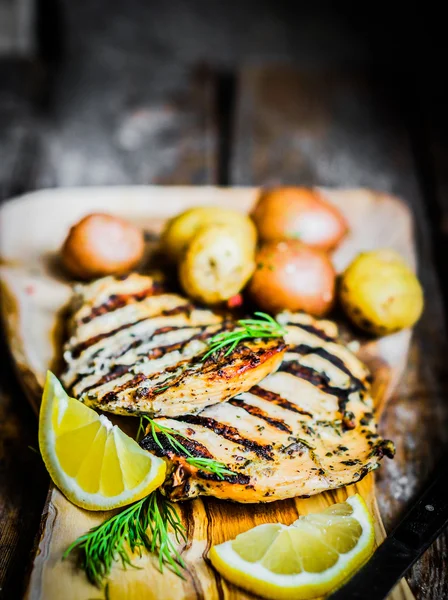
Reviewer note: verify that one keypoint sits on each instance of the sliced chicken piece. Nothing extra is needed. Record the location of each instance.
(307, 428)
(135, 349)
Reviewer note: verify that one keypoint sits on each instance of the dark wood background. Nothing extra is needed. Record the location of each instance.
(235, 92)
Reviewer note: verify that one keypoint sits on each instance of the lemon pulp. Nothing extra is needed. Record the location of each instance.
(305, 560)
(93, 462)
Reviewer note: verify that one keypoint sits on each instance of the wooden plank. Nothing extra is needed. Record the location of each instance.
(38, 297)
(344, 130)
(176, 122)
(23, 479)
(425, 111)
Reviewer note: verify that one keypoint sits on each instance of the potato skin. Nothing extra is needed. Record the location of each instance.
(380, 293)
(301, 214)
(217, 265)
(102, 244)
(292, 276)
(180, 230)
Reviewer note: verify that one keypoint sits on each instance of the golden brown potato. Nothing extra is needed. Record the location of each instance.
(380, 293)
(292, 276)
(180, 230)
(217, 265)
(301, 214)
(102, 244)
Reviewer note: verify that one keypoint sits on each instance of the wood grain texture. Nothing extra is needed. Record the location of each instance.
(20, 468)
(172, 121)
(39, 294)
(339, 128)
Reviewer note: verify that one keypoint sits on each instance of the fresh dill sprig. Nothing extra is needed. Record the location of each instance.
(264, 327)
(146, 524)
(208, 465)
(141, 430)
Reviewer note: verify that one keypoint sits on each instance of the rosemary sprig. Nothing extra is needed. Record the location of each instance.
(208, 465)
(264, 327)
(104, 544)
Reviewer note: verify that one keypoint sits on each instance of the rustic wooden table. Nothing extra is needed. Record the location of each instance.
(181, 93)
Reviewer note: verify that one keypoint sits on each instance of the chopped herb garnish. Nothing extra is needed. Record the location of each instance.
(208, 465)
(264, 327)
(146, 524)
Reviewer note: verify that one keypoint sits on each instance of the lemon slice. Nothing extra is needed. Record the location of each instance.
(305, 560)
(93, 462)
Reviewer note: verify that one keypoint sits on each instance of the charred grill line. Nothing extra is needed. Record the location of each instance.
(195, 366)
(116, 301)
(320, 380)
(314, 330)
(77, 350)
(230, 433)
(113, 396)
(356, 384)
(147, 338)
(154, 353)
(195, 449)
(115, 372)
(278, 400)
(143, 392)
(257, 412)
(238, 478)
(143, 340)
(183, 308)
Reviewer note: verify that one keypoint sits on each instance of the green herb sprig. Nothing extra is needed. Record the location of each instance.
(264, 327)
(208, 465)
(143, 525)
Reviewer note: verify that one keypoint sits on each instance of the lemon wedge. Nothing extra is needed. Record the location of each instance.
(92, 462)
(307, 559)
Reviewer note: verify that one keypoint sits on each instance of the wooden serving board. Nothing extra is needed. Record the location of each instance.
(32, 229)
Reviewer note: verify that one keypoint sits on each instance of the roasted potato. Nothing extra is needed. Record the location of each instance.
(101, 244)
(217, 264)
(301, 214)
(380, 293)
(292, 276)
(180, 230)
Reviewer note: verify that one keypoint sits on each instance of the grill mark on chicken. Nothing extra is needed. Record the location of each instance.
(278, 400)
(116, 301)
(113, 396)
(147, 392)
(183, 308)
(312, 329)
(135, 344)
(115, 372)
(143, 392)
(248, 357)
(114, 363)
(332, 445)
(152, 354)
(146, 339)
(257, 412)
(77, 350)
(230, 433)
(236, 479)
(195, 449)
(316, 378)
(356, 384)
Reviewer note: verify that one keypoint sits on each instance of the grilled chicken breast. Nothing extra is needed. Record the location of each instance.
(307, 428)
(135, 349)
